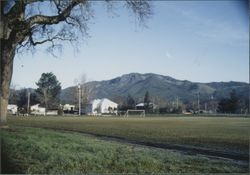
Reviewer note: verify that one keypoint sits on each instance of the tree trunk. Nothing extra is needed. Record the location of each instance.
(6, 64)
(45, 94)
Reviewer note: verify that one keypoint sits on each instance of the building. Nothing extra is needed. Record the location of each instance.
(12, 109)
(52, 112)
(101, 106)
(68, 107)
(36, 110)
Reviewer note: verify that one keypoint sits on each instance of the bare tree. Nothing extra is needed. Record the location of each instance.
(24, 24)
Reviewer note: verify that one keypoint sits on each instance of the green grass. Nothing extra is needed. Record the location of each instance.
(218, 133)
(43, 151)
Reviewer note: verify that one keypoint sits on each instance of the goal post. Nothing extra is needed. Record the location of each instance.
(130, 112)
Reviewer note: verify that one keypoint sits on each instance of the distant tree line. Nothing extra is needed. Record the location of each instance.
(20, 98)
(47, 94)
(151, 105)
(233, 104)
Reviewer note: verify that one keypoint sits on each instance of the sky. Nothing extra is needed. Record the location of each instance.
(199, 41)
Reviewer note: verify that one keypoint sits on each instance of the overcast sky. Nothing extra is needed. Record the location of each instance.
(192, 40)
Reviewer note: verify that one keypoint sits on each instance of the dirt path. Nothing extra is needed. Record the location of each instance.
(191, 150)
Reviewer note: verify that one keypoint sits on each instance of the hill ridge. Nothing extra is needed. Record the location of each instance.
(162, 86)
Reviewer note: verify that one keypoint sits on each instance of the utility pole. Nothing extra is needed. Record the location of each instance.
(28, 105)
(198, 101)
(79, 91)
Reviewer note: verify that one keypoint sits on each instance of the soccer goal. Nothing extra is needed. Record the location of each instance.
(133, 112)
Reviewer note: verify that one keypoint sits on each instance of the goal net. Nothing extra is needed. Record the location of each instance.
(133, 112)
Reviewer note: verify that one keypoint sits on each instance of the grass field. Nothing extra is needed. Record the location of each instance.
(75, 152)
(210, 132)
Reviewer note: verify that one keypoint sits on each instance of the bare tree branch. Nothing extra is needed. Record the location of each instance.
(141, 8)
(58, 5)
(41, 19)
(34, 43)
(64, 7)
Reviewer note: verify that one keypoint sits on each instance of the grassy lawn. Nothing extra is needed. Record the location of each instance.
(43, 151)
(218, 133)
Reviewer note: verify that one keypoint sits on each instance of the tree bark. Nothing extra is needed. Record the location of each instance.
(6, 62)
(45, 94)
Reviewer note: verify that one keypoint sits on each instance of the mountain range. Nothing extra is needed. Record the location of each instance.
(164, 87)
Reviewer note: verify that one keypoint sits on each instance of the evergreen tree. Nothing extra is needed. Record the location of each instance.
(234, 102)
(146, 101)
(130, 102)
(48, 90)
(229, 105)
